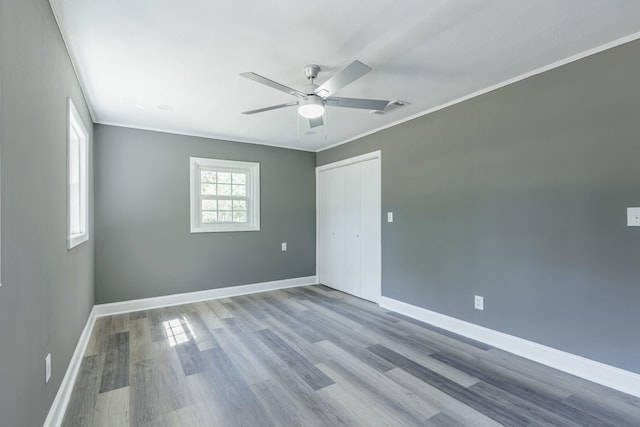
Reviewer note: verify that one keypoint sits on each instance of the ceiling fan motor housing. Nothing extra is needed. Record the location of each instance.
(309, 89)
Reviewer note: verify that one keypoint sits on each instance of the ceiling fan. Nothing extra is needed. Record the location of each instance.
(314, 99)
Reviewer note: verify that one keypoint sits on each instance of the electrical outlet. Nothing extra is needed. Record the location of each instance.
(479, 302)
(389, 216)
(284, 246)
(47, 368)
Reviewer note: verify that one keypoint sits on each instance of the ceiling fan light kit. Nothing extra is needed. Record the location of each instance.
(314, 99)
(311, 107)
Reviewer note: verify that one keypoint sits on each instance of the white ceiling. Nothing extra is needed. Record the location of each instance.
(173, 65)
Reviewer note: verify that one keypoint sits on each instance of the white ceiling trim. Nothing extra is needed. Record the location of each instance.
(58, 18)
(205, 135)
(557, 64)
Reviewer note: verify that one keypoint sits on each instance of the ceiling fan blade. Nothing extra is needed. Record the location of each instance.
(265, 81)
(314, 123)
(273, 107)
(365, 104)
(348, 74)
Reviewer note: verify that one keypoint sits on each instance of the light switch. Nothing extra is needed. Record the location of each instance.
(284, 246)
(389, 216)
(633, 217)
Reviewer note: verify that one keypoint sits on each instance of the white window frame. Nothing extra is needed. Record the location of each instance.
(76, 125)
(252, 170)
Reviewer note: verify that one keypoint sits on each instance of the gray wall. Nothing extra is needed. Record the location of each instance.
(143, 244)
(520, 195)
(47, 291)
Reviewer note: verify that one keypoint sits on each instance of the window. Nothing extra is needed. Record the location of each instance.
(77, 178)
(225, 195)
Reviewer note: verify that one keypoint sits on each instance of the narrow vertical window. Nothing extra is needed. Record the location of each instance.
(77, 178)
(225, 195)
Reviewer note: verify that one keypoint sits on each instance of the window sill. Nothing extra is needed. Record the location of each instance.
(224, 228)
(77, 239)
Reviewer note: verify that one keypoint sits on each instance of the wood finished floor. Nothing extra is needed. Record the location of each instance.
(312, 356)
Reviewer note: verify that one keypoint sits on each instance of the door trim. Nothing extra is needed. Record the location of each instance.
(341, 163)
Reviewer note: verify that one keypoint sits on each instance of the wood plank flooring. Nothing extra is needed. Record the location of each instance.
(312, 356)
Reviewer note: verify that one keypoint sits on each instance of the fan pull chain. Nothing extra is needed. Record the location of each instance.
(325, 125)
(298, 134)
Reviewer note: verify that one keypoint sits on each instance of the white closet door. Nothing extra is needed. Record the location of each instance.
(325, 268)
(370, 226)
(352, 229)
(349, 222)
(337, 223)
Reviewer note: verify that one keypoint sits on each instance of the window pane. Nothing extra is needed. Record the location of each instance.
(207, 176)
(239, 190)
(209, 205)
(239, 205)
(74, 184)
(239, 178)
(224, 217)
(222, 195)
(239, 216)
(224, 205)
(209, 217)
(224, 189)
(208, 189)
(77, 178)
(224, 177)
(74, 158)
(74, 208)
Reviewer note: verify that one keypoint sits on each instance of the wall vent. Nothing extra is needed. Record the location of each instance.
(391, 106)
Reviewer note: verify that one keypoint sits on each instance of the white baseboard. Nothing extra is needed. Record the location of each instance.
(189, 297)
(59, 405)
(610, 376)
